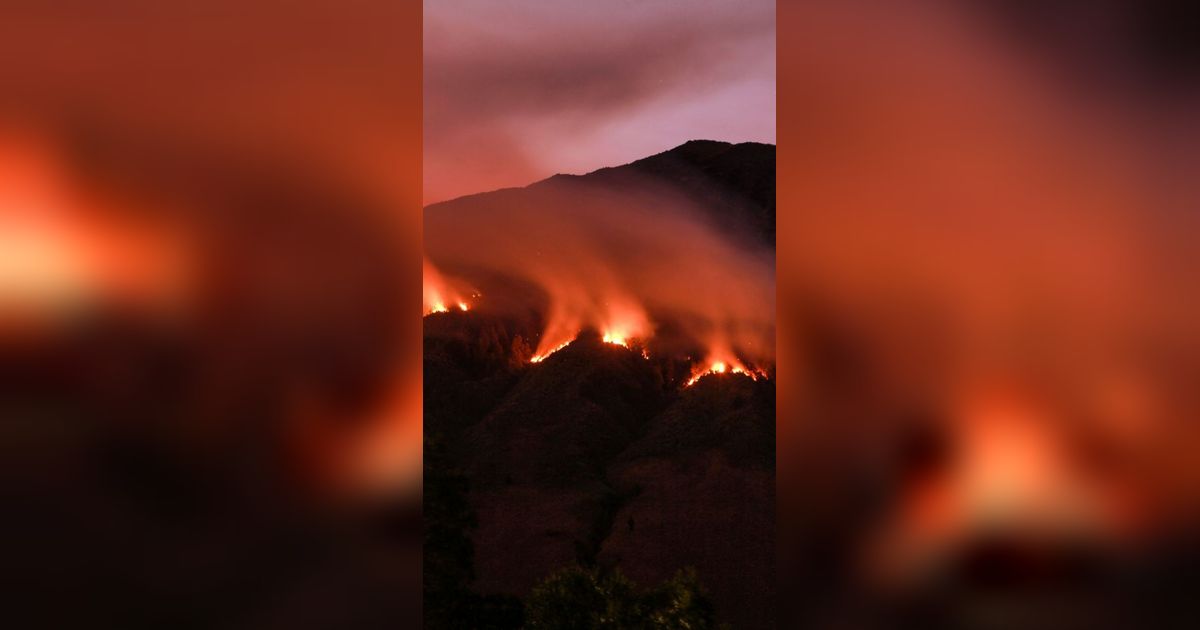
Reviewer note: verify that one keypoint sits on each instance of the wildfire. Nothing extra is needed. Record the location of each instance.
(620, 319)
(440, 293)
(617, 338)
(625, 320)
(538, 358)
(635, 266)
(723, 362)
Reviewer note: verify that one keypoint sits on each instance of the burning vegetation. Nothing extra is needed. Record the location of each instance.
(642, 265)
(623, 344)
(440, 295)
(723, 364)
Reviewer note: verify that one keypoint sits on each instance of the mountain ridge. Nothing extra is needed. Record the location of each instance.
(732, 184)
(567, 176)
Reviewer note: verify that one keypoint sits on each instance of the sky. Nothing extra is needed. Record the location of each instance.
(518, 90)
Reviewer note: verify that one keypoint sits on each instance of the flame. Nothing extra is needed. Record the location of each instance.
(722, 360)
(619, 317)
(439, 292)
(622, 321)
(633, 265)
(538, 358)
(625, 320)
(556, 337)
(617, 338)
(636, 264)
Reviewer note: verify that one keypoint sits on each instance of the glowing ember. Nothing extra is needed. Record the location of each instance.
(462, 306)
(538, 358)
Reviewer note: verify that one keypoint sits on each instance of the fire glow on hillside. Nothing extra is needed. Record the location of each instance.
(620, 318)
(440, 294)
(633, 265)
(616, 338)
(538, 358)
(719, 360)
(722, 360)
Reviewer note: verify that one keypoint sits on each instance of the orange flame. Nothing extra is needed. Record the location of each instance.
(617, 338)
(619, 318)
(439, 292)
(722, 360)
(538, 358)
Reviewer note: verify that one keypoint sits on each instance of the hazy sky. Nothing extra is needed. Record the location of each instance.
(517, 90)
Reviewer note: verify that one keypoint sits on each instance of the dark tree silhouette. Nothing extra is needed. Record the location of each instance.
(589, 599)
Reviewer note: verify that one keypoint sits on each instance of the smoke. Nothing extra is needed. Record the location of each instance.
(632, 264)
(440, 294)
(515, 90)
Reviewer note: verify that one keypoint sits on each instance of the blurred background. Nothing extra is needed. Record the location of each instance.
(209, 289)
(209, 262)
(987, 313)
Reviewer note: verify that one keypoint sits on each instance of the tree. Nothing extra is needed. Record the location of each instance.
(680, 602)
(591, 599)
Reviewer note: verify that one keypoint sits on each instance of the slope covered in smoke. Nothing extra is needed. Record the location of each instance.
(567, 397)
(678, 243)
(734, 184)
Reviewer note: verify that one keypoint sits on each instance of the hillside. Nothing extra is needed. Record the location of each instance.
(601, 456)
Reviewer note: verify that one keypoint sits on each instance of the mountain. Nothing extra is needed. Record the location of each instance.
(599, 456)
(733, 184)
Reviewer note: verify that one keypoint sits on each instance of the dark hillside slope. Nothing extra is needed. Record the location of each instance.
(598, 455)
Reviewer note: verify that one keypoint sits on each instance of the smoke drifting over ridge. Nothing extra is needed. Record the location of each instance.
(629, 263)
